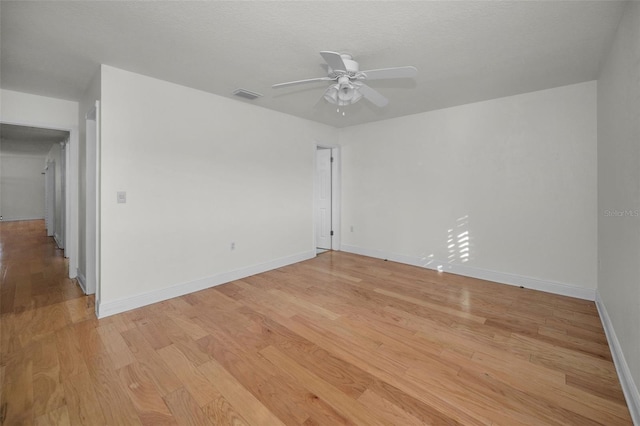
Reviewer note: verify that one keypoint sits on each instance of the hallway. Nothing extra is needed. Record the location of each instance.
(37, 301)
(33, 269)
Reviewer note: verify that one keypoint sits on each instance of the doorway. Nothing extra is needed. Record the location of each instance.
(32, 177)
(53, 150)
(326, 208)
(56, 193)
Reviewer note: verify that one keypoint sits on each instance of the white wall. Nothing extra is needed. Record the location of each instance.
(518, 174)
(21, 186)
(619, 196)
(200, 172)
(18, 108)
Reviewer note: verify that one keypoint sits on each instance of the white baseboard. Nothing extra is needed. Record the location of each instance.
(81, 280)
(56, 237)
(17, 219)
(483, 274)
(107, 308)
(629, 387)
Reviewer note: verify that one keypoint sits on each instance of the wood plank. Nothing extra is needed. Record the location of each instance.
(244, 401)
(182, 340)
(427, 408)
(432, 306)
(603, 387)
(9, 337)
(341, 402)
(185, 409)
(69, 351)
(82, 402)
(116, 346)
(192, 378)
(562, 338)
(150, 362)
(17, 393)
(259, 377)
(48, 392)
(304, 304)
(153, 332)
(186, 324)
(80, 309)
(345, 376)
(87, 336)
(117, 408)
(534, 380)
(58, 417)
(43, 321)
(394, 414)
(147, 400)
(220, 412)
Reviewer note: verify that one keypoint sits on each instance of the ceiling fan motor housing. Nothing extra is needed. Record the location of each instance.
(351, 65)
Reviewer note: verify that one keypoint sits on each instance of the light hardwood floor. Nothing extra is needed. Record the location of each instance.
(340, 339)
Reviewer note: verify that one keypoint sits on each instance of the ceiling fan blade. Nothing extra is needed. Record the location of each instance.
(372, 95)
(397, 72)
(334, 60)
(293, 83)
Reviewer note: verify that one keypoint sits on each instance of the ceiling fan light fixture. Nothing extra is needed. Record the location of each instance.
(346, 91)
(331, 94)
(334, 96)
(342, 93)
(349, 95)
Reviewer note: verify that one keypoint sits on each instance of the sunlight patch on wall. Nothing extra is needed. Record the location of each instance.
(459, 241)
(458, 246)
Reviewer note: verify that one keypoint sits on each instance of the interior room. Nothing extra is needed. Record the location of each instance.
(320, 212)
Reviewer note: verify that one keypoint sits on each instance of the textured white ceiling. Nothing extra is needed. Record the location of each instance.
(465, 51)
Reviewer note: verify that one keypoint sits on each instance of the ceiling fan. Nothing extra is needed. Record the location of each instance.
(349, 85)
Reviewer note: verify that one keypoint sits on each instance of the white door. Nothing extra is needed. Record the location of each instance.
(62, 242)
(50, 197)
(323, 199)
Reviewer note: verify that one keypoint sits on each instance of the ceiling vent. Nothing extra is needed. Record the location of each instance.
(247, 94)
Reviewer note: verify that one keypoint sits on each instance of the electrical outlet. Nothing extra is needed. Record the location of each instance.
(233, 246)
(351, 228)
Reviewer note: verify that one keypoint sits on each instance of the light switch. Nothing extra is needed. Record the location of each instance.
(122, 197)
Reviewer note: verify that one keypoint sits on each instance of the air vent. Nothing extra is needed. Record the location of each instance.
(247, 94)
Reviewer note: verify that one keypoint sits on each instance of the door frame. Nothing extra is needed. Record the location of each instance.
(64, 200)
(92, 222)
(50, 197)
(335, 194)
(71, 228)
